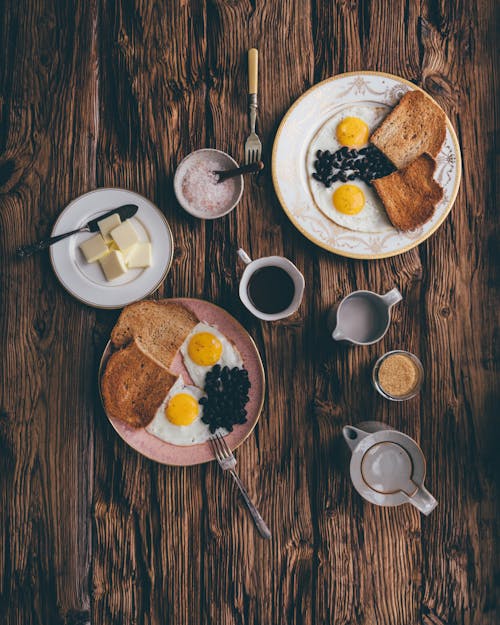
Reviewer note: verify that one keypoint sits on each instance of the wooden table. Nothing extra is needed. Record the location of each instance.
(102, 93)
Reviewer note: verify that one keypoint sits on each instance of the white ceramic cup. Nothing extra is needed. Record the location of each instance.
(270, 261)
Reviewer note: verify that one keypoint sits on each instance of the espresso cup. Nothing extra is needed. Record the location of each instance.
(289, 286)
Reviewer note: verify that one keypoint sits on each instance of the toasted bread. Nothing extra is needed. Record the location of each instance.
(416, 125)
(411, 194)
(134, 385)
(161, 328)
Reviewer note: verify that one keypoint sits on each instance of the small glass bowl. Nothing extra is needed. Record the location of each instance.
(415, 390)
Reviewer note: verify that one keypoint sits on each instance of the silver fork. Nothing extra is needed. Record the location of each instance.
(253, 146)
(227, 462)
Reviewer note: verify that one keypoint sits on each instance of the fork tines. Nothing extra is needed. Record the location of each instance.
(219, 446)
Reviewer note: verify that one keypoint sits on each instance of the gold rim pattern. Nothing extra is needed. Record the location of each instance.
(157, 285)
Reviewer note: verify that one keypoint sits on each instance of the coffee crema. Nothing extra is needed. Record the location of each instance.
(271, 289)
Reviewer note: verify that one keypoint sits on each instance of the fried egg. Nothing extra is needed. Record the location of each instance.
(354, 205)
(178, 419)
(205, 347)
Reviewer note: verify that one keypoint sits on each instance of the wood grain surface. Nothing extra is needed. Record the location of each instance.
(104, 93)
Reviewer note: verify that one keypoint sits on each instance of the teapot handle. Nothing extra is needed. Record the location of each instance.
(353, 436)
(423, 500)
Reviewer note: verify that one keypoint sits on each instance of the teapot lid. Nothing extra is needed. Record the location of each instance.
(388, 468)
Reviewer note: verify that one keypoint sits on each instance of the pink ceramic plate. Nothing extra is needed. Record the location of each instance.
(156, 449)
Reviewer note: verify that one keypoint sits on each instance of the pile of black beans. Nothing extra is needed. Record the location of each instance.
(226, 397)
(345, 164)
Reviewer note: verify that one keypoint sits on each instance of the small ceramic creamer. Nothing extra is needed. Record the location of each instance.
(362, 317)
(387, 466)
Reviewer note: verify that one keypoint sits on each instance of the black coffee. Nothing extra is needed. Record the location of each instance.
(271, 289)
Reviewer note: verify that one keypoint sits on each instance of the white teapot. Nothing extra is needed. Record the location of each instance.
(387, 466)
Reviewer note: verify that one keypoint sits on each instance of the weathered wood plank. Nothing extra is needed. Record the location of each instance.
(48, 143)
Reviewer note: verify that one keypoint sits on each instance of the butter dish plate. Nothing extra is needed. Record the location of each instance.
(86, 281)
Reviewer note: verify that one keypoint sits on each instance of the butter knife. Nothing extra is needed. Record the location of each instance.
(124, 212)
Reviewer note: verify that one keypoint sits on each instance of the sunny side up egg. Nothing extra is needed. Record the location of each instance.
(354, 205)
(205, 347)
(178, 420)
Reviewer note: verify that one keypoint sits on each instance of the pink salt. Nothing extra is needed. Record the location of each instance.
(202, 191)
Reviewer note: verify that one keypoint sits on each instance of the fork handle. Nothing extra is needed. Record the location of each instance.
(253, 70)
(259, 521)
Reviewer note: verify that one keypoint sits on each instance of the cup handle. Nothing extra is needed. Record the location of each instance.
(392, 297)
(244, 256)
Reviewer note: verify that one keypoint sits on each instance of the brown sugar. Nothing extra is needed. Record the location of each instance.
(398, 375)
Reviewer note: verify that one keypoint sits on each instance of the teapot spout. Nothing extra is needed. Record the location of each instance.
(423, 500)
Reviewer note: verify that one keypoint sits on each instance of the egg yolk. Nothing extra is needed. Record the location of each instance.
(182, 409)
(352, 132)
(204, 349)
(349, 199)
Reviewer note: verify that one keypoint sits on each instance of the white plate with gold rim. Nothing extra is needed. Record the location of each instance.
(291, 176)
(86, 281)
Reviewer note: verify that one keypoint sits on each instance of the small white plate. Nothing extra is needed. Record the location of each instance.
(86, 281)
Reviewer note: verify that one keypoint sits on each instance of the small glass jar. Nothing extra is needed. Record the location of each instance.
(389, 391)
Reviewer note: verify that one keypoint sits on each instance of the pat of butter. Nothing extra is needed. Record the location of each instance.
(113, 265)
(94, 248)
(125, 235)
(128, 253)
(140, 256)
(108, 224)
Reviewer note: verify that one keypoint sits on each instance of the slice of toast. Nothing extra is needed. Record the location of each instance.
(161, 328)
(416, 125)
(410, 195)
(134, 385)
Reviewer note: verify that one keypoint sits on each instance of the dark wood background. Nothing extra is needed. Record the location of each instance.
(102, 93)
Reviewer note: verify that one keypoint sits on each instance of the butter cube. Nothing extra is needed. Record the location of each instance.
(113, 265)
(128, 253)
(94, 248)
(125, 235)
(140, 256)
(108, 224)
